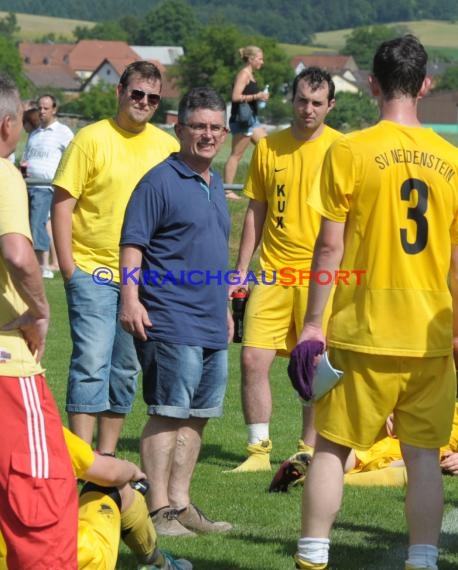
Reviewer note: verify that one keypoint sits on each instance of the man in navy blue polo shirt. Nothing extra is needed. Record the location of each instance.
(174, 256)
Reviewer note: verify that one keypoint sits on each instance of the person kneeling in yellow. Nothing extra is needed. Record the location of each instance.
(109, 508)
(380, 465)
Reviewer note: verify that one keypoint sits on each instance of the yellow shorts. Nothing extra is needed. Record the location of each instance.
(99, 527)
(419, 391)
(274, 317)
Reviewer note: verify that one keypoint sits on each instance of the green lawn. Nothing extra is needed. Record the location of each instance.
(369, 534)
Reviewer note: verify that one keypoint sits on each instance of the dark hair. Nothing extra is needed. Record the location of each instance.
(53, 99)
(31, 117)
(10, 102)
(315, 77)
(400, 66)
(145, 69)
(200, 98)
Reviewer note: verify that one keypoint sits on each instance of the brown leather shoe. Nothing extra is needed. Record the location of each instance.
(194, 519)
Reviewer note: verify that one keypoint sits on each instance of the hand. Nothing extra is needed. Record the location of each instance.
(138, 473)
(449, 462)
(134, 319)
(389, 426)
(34, 331)
(230, 326)
(241, 278)
(263, 96)
(312, 331)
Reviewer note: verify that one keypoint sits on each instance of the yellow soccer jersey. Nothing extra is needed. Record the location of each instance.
(81, 453)
(281, 173)
(15, 357)
(396, 189)
(101, 168)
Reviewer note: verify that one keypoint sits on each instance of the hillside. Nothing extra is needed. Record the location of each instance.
(432, 33)
(34, 27)
(436, 35)
(292, 21)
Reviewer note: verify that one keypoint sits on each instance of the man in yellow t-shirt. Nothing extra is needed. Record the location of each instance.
(282, 170)
(389, 201)
(38, 499)
(93, 183)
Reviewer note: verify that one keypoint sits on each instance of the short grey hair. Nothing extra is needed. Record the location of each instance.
(10, 101)
(200, 98)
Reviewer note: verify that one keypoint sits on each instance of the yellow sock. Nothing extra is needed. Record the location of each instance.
(387, 477)
(258, 458)
(137, 530)
(304, 565)
(303, 447)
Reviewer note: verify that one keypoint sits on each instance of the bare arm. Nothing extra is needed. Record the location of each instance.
(327, 256)
(241, 81)
(25, 273)
(111, 472)
(132, 314)
(61, 219)
(253, 225)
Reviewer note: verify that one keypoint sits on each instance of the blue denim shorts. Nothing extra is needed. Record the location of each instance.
(181, 381)
(237, 129)
(40, 199)
(104, 365)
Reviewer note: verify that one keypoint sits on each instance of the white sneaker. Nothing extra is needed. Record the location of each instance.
(47, 274)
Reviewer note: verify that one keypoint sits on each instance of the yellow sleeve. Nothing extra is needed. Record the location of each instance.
(255, 186)
(81, 453)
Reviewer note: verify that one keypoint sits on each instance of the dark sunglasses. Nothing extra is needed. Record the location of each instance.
(137, 95)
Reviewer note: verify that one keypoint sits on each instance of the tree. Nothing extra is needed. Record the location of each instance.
(449, 79)
(109, 30)
(11, 65)
(171, 22)
(363, 42)
(212, 59)
(8, 26)
(99, 102)
(353, 111)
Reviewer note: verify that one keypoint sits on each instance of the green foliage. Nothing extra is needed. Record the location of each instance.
(98, 103)
(109, 30)
(212, 58)
(11, 64)
(449, 79)
(171, 22)
(277, 111)
(8, 26)
(353, 111)
(52, 38)
(288, 21)
(362, 42)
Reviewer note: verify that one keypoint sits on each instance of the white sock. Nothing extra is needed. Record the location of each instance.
(314, 550)
(257, 433)
(423, 556)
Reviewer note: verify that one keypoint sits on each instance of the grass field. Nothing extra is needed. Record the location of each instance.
(432, 33)
(370, 532)
(34, 27)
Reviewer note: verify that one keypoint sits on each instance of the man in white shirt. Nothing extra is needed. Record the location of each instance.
(42, 154)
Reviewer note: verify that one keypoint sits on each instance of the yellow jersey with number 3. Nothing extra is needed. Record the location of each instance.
(396, 190)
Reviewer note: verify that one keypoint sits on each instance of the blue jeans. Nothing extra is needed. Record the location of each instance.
(104, 366)
(181, 381)
(40, 199)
